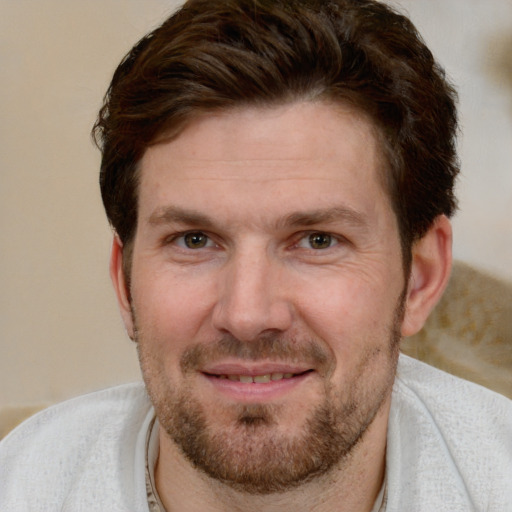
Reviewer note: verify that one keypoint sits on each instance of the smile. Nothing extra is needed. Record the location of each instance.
(256, 385)
(259, 379)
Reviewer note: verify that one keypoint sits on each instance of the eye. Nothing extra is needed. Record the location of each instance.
(318, 241)
(194, 240)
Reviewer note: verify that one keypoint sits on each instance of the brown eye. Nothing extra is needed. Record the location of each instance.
(320, 240)
(195, 240)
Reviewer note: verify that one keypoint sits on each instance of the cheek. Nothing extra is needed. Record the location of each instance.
(347, 313)
(171, 311)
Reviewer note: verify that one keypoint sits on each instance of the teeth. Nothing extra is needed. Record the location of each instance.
(261, 378)
(257, 378)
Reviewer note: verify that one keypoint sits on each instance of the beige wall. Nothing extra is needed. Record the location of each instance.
(473, 41)
(60, 332)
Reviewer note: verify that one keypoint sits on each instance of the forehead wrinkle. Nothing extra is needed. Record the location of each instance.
(257, 169)
(254, 179)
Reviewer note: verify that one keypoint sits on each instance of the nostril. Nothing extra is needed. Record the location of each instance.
(248, 324)
(251, 300)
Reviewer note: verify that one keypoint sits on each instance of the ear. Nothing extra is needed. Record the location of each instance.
(119, 281)
(430, 272)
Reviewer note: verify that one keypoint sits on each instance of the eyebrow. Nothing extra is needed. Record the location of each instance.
(190, 217)
(326, 216)
(177, 215)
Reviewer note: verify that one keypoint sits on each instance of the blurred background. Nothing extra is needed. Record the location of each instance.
(60, 330)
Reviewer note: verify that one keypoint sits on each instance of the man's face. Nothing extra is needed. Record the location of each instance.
(266, 291)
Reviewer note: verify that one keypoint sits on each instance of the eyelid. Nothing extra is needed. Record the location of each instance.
(304, 236)
(180, 236)
(177, 239)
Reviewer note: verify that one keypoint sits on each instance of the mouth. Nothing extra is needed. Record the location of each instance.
(257, 379)
(262, 384)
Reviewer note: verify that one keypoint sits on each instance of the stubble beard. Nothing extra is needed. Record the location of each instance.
(253, 455)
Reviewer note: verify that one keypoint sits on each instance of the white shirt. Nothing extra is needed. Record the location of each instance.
(449, 450)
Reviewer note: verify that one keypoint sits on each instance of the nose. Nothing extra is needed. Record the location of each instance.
(253, 297)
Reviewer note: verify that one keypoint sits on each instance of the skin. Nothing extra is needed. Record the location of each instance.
(272, 224)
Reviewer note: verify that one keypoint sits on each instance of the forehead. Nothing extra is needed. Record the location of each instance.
(296, 151)
(273, 125)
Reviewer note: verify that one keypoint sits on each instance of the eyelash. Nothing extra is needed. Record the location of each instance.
(307, 237)
(176, 238)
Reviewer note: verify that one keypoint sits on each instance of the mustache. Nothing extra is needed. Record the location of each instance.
(271, 346)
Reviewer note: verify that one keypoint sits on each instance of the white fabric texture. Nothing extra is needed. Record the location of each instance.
(86, 454)
(449, 450)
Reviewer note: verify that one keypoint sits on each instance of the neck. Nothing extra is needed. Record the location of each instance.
(353, 486)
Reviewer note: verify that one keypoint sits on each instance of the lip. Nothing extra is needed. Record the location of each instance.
(256, 392)
(236, 368)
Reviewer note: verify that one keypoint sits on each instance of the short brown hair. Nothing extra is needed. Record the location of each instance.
(217, 54)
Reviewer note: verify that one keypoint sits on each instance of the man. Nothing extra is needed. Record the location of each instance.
(279, 177)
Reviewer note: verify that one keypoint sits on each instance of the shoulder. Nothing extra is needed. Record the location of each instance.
(68, 449)
(447, 397)
(451, 438)
(87, 415)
